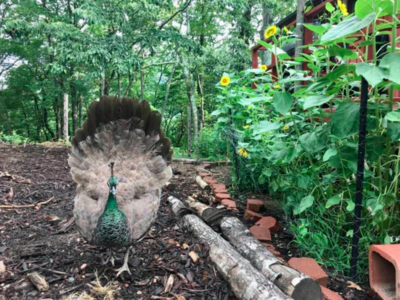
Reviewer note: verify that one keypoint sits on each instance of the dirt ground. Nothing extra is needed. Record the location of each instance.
(43, 238)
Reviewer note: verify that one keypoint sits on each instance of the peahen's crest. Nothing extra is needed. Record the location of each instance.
(126, 133)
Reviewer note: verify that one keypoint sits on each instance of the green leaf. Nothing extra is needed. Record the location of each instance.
(313, 142)
(391, 61)
(394, 131)
(335, 200)
(279, 52)
(249, 101)
(365, 7)
(329, 7)
(329, 153)
(316, 100)
(350, 233)
(314, 28)
(347, 27)
(373, 74)
(345, 119)
(342, 52)
(305, 203)
(388, 239)
(393, 116)
(265, 126)
(282, 102)
(350, 205)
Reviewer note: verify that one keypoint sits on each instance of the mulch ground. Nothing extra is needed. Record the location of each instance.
(44, 239)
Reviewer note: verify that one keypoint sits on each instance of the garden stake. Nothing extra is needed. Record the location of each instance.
(360, 177)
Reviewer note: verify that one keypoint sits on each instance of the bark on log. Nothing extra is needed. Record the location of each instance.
(289, 281)
(204, 185)
(188, 161)
(247, 283)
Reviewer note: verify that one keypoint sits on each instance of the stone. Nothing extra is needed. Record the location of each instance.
(309, 267)
(384, 273)
(261, 234)
(272, 249)
(252, 216)
(254, 205)
(270, 223)
(221, 191)
(327, 294)
(223, 196)
(210, 180)
(230, 204)
(217, 186)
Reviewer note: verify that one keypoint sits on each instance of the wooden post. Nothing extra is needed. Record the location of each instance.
(66, 139)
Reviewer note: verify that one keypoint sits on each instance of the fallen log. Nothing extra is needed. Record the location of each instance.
(247, 283)
(204, 185)
(188, 161)
(288, 280)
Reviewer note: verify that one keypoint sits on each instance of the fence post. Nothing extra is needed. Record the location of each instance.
(66, 118)
(360, 178)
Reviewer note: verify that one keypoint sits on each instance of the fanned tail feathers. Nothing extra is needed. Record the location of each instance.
(128, 133)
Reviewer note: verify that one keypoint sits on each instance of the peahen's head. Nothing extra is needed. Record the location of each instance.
(113, 181)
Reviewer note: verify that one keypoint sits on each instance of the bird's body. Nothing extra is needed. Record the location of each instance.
(126, 134)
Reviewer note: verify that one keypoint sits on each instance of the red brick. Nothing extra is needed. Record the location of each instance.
(206, 166)
(223, 196)
(230, 204)
(309, 267)
(221, 191)
(270, 223)
(217, 186)
(251, 215)
(210, 180)
(327, 294)
(272, 249)
(254, 204)
(384, 270)
(261, 234)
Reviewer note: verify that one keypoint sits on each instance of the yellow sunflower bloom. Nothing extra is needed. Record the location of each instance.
(277, 86)
(285, 127)
(243, 152)
(246, 126)
(343, 8)
(271, 31)
(263, 67)
(225, 80)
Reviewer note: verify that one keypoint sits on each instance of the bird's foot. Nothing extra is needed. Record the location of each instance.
(110, 256)
(125, 266)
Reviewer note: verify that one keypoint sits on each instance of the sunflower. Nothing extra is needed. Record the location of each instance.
(271, 31)
(263, 67)
(343, 8)
(277, 86)
(246, 126)
(285, 127)
(249, 107)
(225, 80)
(243, 152)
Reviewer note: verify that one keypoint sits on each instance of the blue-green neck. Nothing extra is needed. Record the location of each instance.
(111, 204)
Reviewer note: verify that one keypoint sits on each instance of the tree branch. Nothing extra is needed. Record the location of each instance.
(173, 16)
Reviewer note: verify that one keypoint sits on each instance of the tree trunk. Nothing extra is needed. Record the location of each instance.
(47, 126)
(167, 91)
(201, 93)
(66, 139)
(141, 85)
(247, 283)
(189, 130)
(80, 112)
(266, 15)
(299, 30)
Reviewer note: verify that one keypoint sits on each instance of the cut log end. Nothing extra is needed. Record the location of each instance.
(307, 289)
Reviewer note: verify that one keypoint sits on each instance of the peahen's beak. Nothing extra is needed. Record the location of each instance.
(114, 190)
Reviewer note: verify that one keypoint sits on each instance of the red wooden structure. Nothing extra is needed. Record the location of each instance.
(310, 18)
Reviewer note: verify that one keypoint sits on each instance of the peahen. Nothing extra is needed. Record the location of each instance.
(121, 147)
